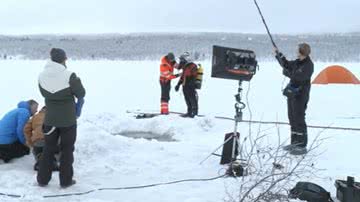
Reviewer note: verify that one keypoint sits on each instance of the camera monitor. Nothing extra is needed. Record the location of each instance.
(235, 64)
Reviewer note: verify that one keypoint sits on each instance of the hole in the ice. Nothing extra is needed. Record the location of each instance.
(165, 137)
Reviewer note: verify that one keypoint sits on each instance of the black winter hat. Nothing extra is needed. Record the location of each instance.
(171, 57)
(58, 55)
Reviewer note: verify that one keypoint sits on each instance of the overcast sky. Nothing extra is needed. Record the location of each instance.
(124, 16)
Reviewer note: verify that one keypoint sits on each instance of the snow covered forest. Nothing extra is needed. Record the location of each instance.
(148, 46)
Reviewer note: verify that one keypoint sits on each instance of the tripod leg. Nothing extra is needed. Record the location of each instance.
(235, 141)
(226, 141)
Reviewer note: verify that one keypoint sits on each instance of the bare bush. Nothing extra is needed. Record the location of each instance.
(271, 172)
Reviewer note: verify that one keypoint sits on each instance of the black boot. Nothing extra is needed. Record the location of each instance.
(36, 166)
(300, 139)
(288, 147)
(300, 144)
(73, 182)
(292, 144)
(187, 115)
(196, 112)
(192, 114)
(298, 151)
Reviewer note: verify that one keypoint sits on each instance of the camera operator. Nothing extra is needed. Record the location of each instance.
(297, 92)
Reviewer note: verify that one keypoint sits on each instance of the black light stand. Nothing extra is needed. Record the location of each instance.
(237, 167)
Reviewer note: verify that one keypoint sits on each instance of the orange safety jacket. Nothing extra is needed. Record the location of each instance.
(166, 70)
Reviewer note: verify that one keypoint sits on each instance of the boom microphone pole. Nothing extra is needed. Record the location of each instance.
(267, 28)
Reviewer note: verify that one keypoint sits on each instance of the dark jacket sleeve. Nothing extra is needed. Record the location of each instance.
(294, 70)
(282, 60)
(299, 70)
(76, 86)
(290, 66)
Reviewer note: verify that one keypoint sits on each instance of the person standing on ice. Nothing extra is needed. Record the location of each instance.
(168, 63)
(188, 82)
(59, 87)
(12, 138)
(298, 93)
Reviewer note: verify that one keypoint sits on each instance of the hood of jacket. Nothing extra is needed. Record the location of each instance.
(55, 77)
(24, 105)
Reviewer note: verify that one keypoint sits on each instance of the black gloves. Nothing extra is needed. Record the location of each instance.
(177, 87)
(279, 56)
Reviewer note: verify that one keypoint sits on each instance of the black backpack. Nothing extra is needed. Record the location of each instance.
(310, 192)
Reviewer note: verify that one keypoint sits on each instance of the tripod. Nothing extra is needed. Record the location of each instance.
(239, 106)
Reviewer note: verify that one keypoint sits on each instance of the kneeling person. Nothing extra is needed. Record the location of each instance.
(12, 140)
(35, 138)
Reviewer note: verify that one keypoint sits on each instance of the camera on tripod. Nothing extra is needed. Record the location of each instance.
(234, 64)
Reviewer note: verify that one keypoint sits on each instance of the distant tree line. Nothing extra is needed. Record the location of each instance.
(147, 46)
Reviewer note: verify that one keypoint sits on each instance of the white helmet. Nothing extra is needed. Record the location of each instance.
(186, 56)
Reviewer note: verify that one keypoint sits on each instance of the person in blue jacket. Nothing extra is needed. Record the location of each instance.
(12, 139)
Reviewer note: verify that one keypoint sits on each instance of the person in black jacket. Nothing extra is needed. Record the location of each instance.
(64, 96)
(298, 93)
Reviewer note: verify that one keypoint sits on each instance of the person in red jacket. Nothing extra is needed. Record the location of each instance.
(168, 63)
(188, 82)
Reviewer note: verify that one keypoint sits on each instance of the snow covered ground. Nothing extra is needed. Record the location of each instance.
(103, 158)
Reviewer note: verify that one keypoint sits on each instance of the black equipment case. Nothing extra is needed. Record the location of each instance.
(348, 191)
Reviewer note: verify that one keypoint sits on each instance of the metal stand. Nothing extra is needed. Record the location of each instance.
(239, 106)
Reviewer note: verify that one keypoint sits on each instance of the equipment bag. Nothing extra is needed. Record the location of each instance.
(291, 91)
(347, 191)
(226, 156)
(310, 192)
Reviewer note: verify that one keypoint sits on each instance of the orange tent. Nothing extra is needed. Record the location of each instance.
(336, 74)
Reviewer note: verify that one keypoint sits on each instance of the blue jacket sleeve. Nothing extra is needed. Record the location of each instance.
(79, 105)
(23, 117)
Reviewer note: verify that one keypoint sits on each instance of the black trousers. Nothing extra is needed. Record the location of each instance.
(67, 137)
(14, 150)
(38, 150)
(296, 113)
(165, 90)
(191, 99)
